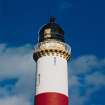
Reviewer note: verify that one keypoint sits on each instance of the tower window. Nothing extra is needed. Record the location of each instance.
(54, 60)
(47, 33)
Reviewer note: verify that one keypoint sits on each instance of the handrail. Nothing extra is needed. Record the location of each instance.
(66, 46)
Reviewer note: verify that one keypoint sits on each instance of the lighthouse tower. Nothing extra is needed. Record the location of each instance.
(51, 54)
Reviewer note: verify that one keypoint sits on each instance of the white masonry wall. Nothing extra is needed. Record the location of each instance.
(52, 75)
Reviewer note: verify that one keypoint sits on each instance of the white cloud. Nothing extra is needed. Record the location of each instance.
(85, 64)
(88, 69)
(65, 5)
(15, 61)
(18, 63)
(14, 100)
(97, 79)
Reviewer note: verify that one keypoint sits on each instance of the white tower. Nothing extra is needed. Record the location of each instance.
(51, 55)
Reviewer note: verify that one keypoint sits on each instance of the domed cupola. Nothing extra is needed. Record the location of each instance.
(51, 31)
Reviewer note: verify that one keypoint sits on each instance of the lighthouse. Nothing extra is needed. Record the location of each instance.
(51, 54)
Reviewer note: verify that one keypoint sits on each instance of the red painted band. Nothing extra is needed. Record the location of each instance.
(51, 98)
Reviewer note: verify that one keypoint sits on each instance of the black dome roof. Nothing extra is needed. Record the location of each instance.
(56, 31)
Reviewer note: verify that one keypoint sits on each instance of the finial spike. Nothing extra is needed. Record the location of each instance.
(52, 19)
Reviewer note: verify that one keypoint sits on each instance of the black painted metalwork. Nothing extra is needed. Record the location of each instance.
(55, 31)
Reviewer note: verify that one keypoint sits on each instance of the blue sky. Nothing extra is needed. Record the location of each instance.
(84, 24)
